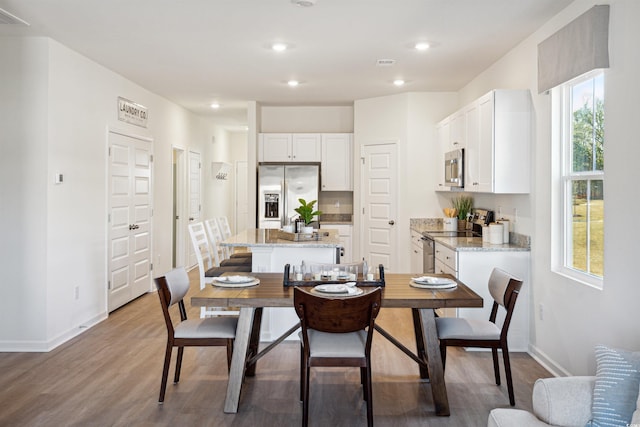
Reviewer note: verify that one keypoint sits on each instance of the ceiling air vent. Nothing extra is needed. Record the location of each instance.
(385, 62)
(7, 18)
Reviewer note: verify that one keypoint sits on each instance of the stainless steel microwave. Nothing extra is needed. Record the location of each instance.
(454, 168)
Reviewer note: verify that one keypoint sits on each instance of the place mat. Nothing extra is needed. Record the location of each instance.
(235, 281)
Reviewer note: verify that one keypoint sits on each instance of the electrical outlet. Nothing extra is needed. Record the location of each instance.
(541, 311)
(77, 292)
(515, 215)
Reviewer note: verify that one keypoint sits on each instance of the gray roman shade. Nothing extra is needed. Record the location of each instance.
(579, 47)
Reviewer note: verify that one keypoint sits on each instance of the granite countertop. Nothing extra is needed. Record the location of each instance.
(256, 237)
(517, 242)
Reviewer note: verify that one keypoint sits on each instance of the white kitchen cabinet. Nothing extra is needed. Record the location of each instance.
(337, 160)
(442, 146)
(416, 256)
(345, 235)
(446, 263)
(498, 160)
(458, 131)
(289, 147)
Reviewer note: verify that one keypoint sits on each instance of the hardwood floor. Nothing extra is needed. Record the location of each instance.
(110, 376)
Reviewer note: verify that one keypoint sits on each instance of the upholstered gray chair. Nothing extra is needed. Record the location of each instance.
(460, 332)
(213, 331)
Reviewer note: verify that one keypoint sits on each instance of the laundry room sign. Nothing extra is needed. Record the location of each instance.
(130, 112)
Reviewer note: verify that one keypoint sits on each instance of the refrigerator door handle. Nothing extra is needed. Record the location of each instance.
(285, 210)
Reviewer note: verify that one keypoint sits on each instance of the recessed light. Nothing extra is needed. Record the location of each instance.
(422, 46)
(304, 3)
(215, 105)
(279, 47)
(398, 82)
(293, 83)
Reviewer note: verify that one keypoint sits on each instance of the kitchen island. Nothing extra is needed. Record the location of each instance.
(270, 254)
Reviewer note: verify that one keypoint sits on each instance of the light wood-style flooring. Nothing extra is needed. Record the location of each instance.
(110, 376)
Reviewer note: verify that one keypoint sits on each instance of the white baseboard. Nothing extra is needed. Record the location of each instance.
(46, 346)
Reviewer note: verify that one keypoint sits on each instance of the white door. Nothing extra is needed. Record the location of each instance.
(130, 211)
(195, 202)
(242, 201)
(379, 201)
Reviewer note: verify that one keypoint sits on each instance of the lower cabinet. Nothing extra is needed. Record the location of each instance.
(344, 233)
(473, 268)
(416, 256)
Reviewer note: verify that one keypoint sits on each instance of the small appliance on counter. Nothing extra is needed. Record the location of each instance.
(481, 217)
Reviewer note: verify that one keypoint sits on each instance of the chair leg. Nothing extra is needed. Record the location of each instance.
(302, 374)
(496, 367)
(165, 371)
(305, 400)
(176, 378)
(507, 371)
(363, 381)
(369, 395)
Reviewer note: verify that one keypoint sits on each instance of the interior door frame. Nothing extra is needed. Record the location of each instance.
(179, 181)
(109, 130)
(364, 251)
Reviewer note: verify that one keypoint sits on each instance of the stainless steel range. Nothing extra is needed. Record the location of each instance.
(474, 229)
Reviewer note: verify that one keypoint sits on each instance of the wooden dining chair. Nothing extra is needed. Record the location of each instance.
(336, 332)
(460, 332)
(212, 331)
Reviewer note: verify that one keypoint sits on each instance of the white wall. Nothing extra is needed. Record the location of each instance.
(306, 119)
(577, 316)
(409, 120)
(59, 106)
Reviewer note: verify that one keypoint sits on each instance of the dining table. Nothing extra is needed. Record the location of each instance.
(397, 292)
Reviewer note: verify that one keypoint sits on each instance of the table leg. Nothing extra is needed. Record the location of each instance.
(254, 341)
(434, 361)
(238, 360)
(417, 328)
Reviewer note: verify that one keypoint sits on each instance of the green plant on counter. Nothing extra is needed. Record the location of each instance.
(306, 211)
(463, 205)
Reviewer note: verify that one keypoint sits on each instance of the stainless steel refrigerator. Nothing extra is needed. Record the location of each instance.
(280, 187)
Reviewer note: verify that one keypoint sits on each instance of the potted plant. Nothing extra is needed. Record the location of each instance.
(306, 212)
(463, 205)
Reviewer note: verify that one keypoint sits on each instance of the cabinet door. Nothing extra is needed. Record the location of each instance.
(457, 137)
(472, 150)
(337, 155)
(416, 257)
(442, 146)
(275, 147)
(485, 155)
(306, 147)
(344, 234)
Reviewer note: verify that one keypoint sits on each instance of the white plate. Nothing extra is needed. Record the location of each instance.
(234, 279)
(429, 280)
(226, 284)
(449, 285)
(338, 290)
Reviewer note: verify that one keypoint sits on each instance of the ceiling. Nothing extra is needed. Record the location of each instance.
(195, 52)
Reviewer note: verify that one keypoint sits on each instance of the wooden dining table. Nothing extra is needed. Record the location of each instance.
(397, 293)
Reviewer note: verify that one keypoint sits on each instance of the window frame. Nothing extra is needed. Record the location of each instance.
(562, 237)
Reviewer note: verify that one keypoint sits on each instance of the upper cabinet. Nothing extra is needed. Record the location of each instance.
(503, 158)
(289, 147)
(337, 159)
(442, 147)
(497, 141)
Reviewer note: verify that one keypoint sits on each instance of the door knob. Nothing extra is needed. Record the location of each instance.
(191, 218)
(392, 222)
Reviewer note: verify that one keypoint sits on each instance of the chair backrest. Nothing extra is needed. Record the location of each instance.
(172, 287)
(225, 229)
(215, 236)
(502, 285)
(337, 315)
(504, 289)
(201, 248)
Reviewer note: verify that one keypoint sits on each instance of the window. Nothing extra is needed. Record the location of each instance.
(582, 179)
